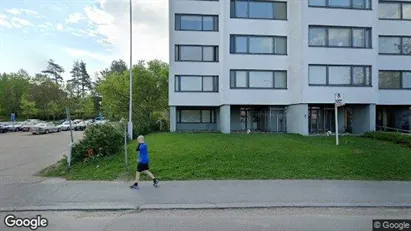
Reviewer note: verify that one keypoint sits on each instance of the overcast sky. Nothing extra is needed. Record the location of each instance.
(95, 31)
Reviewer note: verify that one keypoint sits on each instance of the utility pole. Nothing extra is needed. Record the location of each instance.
(130, 118)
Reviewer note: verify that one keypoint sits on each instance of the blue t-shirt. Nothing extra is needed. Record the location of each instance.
(143, 156)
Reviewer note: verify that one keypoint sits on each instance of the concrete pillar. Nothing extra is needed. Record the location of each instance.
(297, 119)
(225, 119)
(173, 118)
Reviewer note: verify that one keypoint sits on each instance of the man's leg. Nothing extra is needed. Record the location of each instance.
(149, 174)
(138, 170)
(137, 177)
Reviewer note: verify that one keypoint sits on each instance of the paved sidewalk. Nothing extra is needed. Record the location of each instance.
(57, 194)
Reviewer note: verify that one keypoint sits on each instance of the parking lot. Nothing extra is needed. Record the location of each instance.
(23, 154)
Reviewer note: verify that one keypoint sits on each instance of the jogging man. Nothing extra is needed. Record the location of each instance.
(143, 163)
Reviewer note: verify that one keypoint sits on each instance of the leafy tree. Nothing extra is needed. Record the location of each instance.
(12, 87)
(87, 105)
(28, 106)
(54, 70)
(53, 109)
(150, 93)
(47, 96)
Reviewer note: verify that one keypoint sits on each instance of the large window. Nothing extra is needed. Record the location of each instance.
(339, 75)
(345, 37)
(394, 79)
(255, 44)
(259, 79)
(391, 10)
(191, 22)
(259, 9)
(346, 4)
(196, 116)
(394, 45)
(196, 53)
(186, 83)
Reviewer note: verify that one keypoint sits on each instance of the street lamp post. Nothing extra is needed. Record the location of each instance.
(130, 121)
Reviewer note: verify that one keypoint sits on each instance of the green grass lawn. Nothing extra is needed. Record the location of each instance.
(192, 156)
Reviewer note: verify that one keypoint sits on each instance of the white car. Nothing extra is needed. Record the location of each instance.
(44, 128)
(80, 126)
(65, 126)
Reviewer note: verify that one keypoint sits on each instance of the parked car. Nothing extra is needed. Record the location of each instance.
(27, 125)
(65, 126)
(101, 120)
(44, 128)
(13, 126)
(3, 128)
(80, 126)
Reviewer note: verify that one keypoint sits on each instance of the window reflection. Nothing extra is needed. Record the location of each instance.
(389, 10)
(318, 36)
(261, 45)
(339, 37)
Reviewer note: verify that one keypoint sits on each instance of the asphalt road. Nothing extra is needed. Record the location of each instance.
(23, 154)
(224, 220)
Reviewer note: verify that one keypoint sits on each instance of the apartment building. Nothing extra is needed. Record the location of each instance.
(276, 66)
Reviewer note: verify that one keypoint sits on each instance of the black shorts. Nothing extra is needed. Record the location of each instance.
(142, 167)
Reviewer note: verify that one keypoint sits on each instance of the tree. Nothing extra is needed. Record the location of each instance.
(12, 87)
(85, 80)
(76, 76)
(85, 107)
(54, 70)
(28, 106)
(53, 109)
(150, 93)
(118, 66)
(47, 96)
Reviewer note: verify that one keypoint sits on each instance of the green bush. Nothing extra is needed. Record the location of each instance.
(99, 140)
(393, 137)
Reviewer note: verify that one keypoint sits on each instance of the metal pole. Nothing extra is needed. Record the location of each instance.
(72, 140)
(130, 121)
(125, 147)
(336, 125)
(69, 119)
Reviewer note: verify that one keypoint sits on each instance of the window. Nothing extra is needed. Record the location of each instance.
(339, 75)
(258, 79)
(196, 116)
(253, 44)
(345, 37)
(394, 10)
(347, 4)
(276, 10)
(196, 53)
(196, 22)
(394, 79)
(394, 45)
(184, 83)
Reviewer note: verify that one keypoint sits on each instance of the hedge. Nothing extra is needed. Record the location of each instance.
(394, 137)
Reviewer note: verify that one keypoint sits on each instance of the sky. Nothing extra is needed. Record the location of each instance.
(95, 31)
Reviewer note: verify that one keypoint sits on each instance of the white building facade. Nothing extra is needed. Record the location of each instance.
(276, 66)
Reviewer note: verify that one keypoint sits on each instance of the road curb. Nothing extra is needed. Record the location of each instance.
(70, 207)
(269, 205)
(207, 206)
